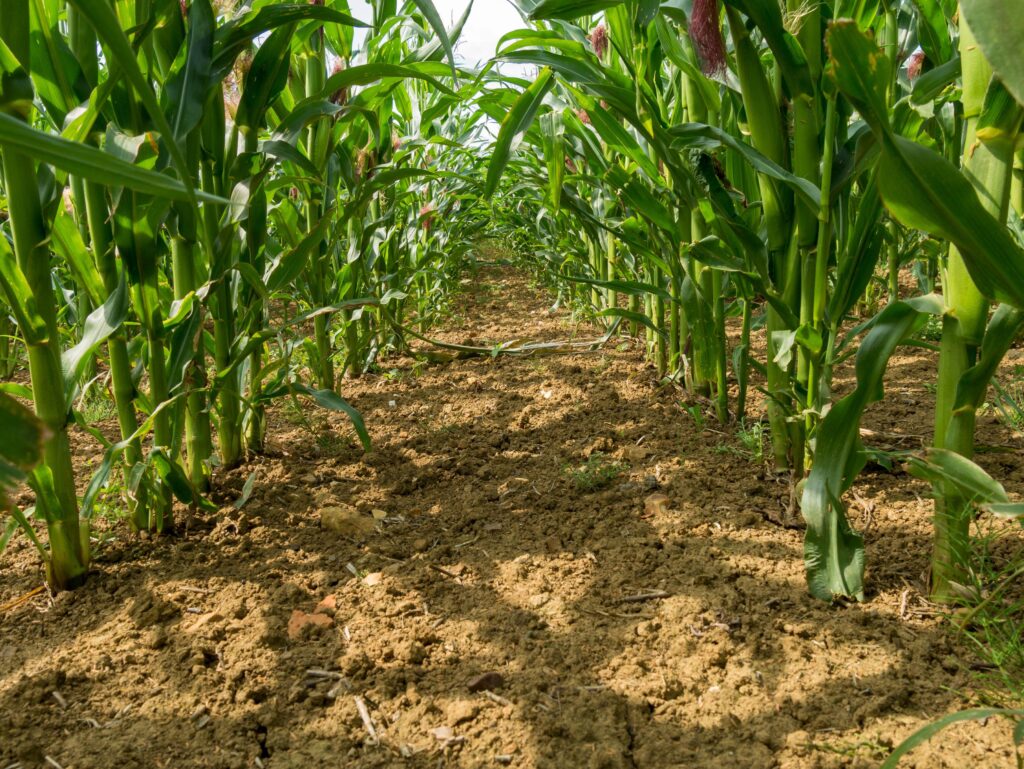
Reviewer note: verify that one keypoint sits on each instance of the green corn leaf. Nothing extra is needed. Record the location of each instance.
(565, 9)
(304, 113)
(102, 472)
(290, 153)
(933, 82)
(553, 134)
(633, 317)
(56, 73)
(182, 344)
(266, 78)
(1009, 510)
(998, 27)
(941, 466)
(291, 264)
(68, 243)
(19, 297)
(187, 88)
(90, 163)
(22, 446)
(933, 31)
(713, 252)
(364, 74)
(104, 20)
(431, 50)
(629, 287)
(927, 732)
(330, 400)
(236, 35)
(434, 20)
(701, 136)
(170, 473)
(920, 187)
(833, 552)
(516, 121)
(247, 488)
(99, 326)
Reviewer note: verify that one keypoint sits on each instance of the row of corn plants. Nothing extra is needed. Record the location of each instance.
(206, 207)
(210, 207)
(778, 163)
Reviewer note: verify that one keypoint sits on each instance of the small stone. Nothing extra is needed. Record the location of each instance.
(461, 711)
(373, 579)
(413, 653)
(798, 742)
(657, 504)
(300, 621)
(420, 545)
(635, 453)
(346, 520)
(486, 682)
(599, 446)
(378, 514)
(443, 733)
(536, 601)
(156, 638)
(207, 619)
(327, 606)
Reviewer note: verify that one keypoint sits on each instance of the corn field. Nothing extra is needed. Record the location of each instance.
(212, 209)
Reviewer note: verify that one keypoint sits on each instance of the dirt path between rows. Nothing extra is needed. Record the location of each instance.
(484, 608)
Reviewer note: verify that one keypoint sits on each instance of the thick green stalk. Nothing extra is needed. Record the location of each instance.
(96, 214)
(806, 159)
(122, 385)
(255, 237)
(763, 117)
(213, 171)
(742, 375)
(611, 266)
(8, 358)
(675, 363)
(989, 166)
(316, 136)
(721, 349)
(69, 558)
(198, 442)
(820, 272)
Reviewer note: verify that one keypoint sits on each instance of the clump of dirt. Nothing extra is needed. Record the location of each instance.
(459, 597)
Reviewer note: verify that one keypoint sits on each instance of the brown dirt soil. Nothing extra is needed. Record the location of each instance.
(474, 551)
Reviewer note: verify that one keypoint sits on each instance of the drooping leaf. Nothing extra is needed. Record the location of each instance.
(516, 121)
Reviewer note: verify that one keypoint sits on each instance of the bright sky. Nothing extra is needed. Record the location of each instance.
(489, 20)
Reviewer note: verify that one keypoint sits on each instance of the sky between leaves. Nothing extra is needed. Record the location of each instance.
(489, 20)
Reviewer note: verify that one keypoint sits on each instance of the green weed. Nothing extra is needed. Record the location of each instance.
(596, 473)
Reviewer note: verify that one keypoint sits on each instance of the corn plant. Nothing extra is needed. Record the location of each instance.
(175, 175)
(775, 155)
(986, 263)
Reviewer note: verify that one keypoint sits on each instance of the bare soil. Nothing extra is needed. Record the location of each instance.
(615, 635)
